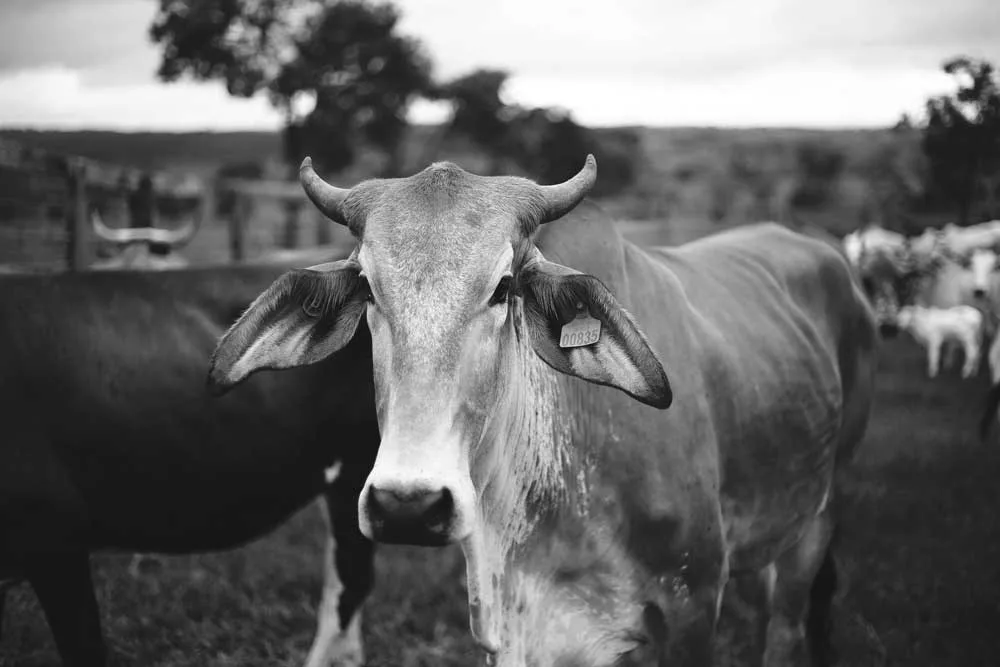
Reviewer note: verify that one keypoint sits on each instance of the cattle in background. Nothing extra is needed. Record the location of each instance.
(111, 441)
(888, 279)
(918, 273)
(963, 241)
(936, 327)
(943, 280)
(985, 263)
(137, 248)
(870, 239)
(146, 248)
(521, 405)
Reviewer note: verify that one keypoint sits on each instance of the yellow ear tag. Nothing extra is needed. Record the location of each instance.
(583, 330)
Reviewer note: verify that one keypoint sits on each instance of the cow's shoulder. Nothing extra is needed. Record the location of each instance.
(760, 258)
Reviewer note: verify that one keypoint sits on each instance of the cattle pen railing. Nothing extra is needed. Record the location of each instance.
(47, 200)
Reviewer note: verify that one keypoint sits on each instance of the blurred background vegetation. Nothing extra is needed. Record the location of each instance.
(343, 76)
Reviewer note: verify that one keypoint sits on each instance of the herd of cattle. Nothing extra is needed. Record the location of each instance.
(604, 488)
(943, 287)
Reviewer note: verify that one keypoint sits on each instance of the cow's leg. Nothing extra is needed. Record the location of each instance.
(694, 601)
(933, 357)
(796, 571)
(820, 607)
(993, 357)
(971, 346)
(691, 640)
(950, 352)
(4, 587)
(65, 590)
(757, 589)
(993, 361)
(347, 572)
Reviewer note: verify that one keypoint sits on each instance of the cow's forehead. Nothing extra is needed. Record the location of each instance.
(442, 221)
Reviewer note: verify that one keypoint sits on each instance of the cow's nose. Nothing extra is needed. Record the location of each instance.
(979, 293)
(411, 516)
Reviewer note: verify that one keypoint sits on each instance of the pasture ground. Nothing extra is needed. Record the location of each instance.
(919, 555)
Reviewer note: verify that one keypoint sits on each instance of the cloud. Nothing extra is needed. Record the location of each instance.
(104, 39)
(689, 40)
(56, 97)
(722, 62)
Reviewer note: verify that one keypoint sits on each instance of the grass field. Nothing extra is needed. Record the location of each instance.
(919, 556)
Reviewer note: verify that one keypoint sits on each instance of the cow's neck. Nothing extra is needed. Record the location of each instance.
(526, 474)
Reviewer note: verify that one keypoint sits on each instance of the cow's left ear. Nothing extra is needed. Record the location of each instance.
(304, 316)
(577, 327)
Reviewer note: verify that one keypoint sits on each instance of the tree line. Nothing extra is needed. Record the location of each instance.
(343, 77)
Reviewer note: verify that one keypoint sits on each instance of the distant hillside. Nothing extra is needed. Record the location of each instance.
(197, 151)
(205, 151)
(723, 176)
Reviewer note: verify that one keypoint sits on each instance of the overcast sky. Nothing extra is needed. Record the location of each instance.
(831, 63)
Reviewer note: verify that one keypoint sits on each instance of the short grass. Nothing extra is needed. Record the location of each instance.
(919, 555)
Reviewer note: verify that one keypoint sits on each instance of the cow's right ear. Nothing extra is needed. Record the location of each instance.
(303, 318)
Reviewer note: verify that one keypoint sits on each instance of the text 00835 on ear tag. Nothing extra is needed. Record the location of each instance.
(581, 331)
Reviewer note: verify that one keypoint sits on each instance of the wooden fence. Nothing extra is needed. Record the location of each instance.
(46, 202)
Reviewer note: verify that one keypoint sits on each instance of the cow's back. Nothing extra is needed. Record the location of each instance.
(783, 307)
(784, 342)
(103, 397)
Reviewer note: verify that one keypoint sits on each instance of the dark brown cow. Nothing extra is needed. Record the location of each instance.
(111, 442)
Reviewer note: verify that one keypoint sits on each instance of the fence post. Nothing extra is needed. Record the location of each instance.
(237, 241)
(324, 228)
(76, 219)
(291, 236)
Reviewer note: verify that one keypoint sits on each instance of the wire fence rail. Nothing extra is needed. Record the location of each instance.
(50, 205)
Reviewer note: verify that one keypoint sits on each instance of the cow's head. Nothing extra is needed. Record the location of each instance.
(888, 278)
(982, 263)
(906, 316)
(456, 295)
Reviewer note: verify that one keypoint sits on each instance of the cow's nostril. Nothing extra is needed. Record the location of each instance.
(408, 504)
(418, 516)
(439, 511)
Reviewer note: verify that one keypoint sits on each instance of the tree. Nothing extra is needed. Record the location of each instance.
(346, 55)
(748, 168)
(895, 172)
(546, 143)
(961, 138)
(819, 167)
(478, 110)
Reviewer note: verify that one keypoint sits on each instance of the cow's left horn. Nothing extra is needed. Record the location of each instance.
(562, 198)
(328, 198)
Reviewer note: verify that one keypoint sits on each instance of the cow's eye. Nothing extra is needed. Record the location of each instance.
(366, 288)
(501, 293)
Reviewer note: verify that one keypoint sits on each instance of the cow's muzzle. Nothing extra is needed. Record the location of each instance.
(421, 516)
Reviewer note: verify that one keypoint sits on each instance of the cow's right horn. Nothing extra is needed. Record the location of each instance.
(328, 199)
(562, 198)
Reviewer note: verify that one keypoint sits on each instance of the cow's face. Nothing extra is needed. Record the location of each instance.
(905, 317)
(456, 295)
(982, 264)
(441, 269)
